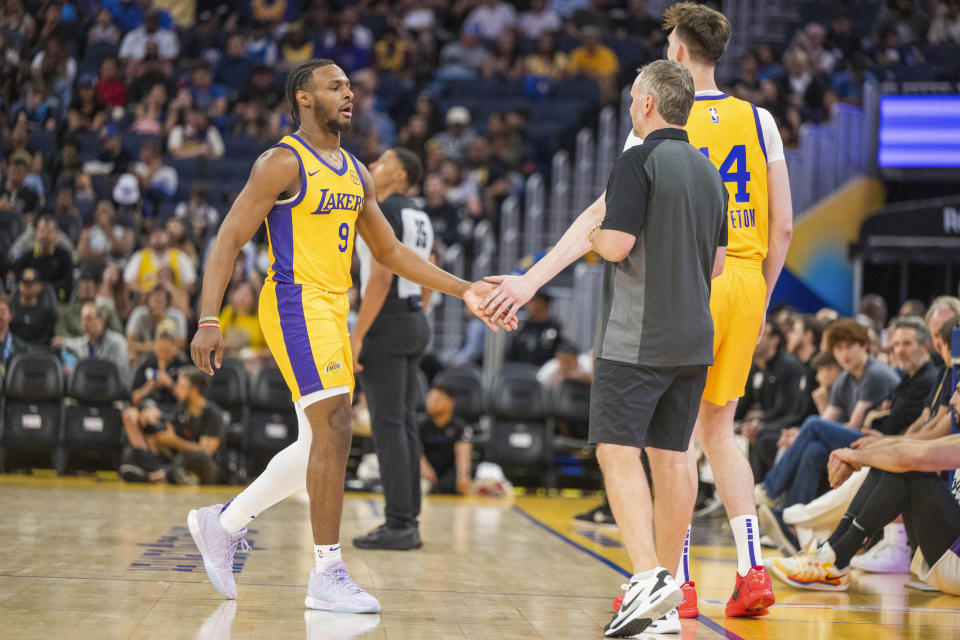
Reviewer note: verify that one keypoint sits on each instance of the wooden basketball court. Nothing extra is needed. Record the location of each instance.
(97, 558)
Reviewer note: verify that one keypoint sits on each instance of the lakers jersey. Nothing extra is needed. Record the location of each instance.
(311, 235)
(727, 130)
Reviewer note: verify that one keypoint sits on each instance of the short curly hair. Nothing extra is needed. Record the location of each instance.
(299, 78)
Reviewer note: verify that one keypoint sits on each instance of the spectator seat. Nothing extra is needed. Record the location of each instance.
(32, 409)
(272, 424)
(92, 422)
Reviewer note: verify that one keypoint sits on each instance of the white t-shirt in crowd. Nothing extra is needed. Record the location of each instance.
(771, 134)
(493, 20)
(533, 25)
(548, 371)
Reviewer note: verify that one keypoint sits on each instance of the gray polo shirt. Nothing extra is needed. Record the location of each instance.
(655, 304)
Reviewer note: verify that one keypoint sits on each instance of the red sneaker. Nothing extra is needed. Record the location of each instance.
(752, 595)
(688, 608)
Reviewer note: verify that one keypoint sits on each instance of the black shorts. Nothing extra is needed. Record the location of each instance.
(639, 406)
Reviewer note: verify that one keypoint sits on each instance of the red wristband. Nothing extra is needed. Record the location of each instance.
(204, 325)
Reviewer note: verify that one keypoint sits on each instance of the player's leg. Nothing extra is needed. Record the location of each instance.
(731, 469)
(218, 529)
(330, 587)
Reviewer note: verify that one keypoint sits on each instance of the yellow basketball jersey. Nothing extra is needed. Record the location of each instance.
(727, 130)
(311, 235)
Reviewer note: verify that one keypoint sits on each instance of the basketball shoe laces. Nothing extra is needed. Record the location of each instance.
(341, 575)
(233, 541)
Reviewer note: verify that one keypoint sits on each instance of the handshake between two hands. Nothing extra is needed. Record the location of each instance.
(496, 299)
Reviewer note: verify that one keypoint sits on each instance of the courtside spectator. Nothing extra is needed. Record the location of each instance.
(773, 390)
(10, 344)
(96, 343)
(538, 336)
(446, 465)
(179, 444)
(566, 364)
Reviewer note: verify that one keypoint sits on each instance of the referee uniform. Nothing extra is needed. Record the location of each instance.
(654, 337)
(390, 357)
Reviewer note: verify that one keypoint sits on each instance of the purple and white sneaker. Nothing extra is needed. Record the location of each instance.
(217, 547)
(334, 590)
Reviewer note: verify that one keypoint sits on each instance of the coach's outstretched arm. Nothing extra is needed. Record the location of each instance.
(275, 173)
(512, 292)
(403, 261)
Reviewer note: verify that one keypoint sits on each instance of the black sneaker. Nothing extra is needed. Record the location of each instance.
(384, 537)
(646, 601)
(602, 516)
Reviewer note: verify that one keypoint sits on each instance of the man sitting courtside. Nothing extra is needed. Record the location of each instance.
(178, 445)
(445, 466)
(153, 381)
(799, 472)
(97, 342)
(773, 387)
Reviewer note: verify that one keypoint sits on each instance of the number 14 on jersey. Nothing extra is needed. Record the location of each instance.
(733, 170)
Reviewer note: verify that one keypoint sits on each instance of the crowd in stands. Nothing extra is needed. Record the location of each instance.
(841, 47)
(129, 125)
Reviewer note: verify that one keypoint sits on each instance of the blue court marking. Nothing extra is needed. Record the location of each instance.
(702, 619)
(175, 551)
(374, 507)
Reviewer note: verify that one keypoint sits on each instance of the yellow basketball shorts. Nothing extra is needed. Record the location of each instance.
(737, 300)
(306, 330)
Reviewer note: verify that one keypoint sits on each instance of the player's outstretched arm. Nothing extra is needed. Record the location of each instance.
(276, 172)
(512, 292)
(403, 261)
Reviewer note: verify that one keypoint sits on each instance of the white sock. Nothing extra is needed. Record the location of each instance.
(234, 517)
(286, 473)
(683, 571)
(746, 533)
(326, 554)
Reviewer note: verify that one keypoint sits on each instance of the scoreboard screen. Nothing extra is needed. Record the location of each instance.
(919, 132)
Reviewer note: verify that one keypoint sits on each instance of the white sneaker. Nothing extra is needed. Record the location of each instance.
(669, 623)
(647, 600)
(890, 555)
(760, 496)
